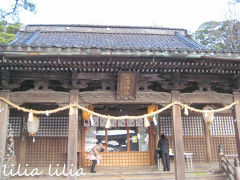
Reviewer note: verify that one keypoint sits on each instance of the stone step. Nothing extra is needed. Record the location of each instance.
(136, 173)
(140, 175)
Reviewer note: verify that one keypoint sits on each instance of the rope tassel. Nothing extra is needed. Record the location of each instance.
(71, 111)
(30, 117)
(155, 121)
(108, 123)
(146, 122)
(185, 110)
(91, 120)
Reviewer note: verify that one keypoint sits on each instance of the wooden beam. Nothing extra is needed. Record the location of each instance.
(97, 76)
(236, 113)
(72, 136)
(4, 118)
(206, 98)
(39, 97)
(178, 139)
(105, 97)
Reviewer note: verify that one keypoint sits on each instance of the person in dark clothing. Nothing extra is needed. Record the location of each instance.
(163, 146)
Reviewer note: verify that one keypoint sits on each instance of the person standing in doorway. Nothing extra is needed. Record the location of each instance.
(94, 155)
(163, 146)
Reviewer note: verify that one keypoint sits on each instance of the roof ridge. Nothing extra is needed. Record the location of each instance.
(134, 33)
(101, 28)
(106, 26)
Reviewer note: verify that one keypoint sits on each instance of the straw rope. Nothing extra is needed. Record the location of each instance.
(185, 106)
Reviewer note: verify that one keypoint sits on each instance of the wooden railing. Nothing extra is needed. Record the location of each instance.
(231, 169)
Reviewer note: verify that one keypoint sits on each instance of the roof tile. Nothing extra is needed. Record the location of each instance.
(102, 37)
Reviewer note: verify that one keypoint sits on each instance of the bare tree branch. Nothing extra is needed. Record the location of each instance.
(13, 10)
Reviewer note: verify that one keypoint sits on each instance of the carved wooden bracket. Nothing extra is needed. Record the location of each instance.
(105, 97)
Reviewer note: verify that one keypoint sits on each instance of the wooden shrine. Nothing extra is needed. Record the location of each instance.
(119, 70)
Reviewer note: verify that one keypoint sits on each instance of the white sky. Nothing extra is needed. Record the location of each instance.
(187, 14)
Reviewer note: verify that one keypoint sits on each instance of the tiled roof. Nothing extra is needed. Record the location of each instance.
(105, 37)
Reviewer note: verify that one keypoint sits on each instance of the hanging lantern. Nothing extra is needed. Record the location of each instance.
(86, 115)
(32, 126)
(208, 116)
(152, 108)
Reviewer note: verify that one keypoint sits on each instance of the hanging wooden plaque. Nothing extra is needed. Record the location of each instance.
(127, 85)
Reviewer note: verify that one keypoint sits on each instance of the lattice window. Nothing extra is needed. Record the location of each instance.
(53, 126)
(16, 123)
(165, 123)
(192, 125)
(193, 132)
(195, 145)
(228, 144)
(222, 125)
(46, 151)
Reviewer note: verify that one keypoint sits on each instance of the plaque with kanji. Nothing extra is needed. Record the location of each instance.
(127, 85)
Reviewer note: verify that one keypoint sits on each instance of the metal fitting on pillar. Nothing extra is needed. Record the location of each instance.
(220, 150)
(236, 162)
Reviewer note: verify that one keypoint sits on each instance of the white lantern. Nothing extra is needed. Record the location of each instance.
(208, 116)
(32, 126)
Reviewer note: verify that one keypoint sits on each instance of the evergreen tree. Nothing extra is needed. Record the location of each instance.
(8, 31)
(9, 18)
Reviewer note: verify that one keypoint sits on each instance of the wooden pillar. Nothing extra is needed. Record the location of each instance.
(106, 137)
(236, 97)
(128, 139)
(79, 146)
(72, 136)
(151, 143)
(83, 145)
(157, 137)
(208, 143)
(178, 139)
(4, 118)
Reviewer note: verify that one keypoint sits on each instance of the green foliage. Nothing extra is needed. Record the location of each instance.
(8, 31)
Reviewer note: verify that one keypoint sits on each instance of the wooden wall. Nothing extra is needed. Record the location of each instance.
(53, 149)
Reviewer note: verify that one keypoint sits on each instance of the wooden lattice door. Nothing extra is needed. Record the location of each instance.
(222, 132)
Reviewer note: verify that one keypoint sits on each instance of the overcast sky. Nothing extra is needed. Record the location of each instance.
(187, 14)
